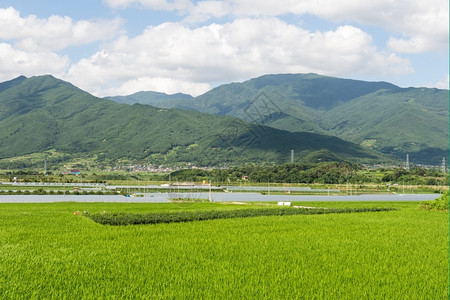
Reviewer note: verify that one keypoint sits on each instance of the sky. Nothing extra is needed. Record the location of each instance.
(119, 47)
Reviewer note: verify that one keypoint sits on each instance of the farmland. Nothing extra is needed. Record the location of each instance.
(47, 251)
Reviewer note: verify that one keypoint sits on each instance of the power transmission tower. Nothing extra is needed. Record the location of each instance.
(292, 156)
(407, 162)
(443, 167)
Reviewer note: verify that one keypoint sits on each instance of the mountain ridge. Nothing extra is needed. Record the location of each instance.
(150, 98)
(42, 114)
(362, 112)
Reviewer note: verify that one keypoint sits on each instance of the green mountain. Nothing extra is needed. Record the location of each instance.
(7, 84)
(377, 115)
(410, 121)
(46, 114)
(151, 98)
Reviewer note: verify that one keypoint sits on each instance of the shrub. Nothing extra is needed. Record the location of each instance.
(440, 203)
(39, 191)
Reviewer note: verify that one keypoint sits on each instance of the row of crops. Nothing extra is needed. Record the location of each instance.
(119, 218)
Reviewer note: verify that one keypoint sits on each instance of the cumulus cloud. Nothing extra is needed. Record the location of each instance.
(29, 45)
(421, 32)
(416, 26)
(54, 33)
(16, 62)
(192, 58)
(171, 55)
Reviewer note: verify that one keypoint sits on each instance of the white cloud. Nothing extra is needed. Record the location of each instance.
(180, 5)
(16, 62)
(30, 44)
(412, 45)
(177, 57)
(205, 10)
(171, 57)
(443, 83)
(54, 33)
(168, 85)
(424, 30)
(416, 25)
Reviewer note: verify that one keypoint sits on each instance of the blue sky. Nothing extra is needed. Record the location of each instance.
(118, 47)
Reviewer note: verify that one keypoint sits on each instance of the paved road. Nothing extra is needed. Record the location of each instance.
(225, 197)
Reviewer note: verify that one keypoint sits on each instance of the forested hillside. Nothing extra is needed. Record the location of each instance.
(377, 115)
(44, 114)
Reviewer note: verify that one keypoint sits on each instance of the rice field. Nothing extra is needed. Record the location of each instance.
(47, 252)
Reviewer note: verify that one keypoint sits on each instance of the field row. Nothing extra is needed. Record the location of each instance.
(202, 215)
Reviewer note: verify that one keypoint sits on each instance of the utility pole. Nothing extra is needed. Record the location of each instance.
(210, 196)
(170, 187)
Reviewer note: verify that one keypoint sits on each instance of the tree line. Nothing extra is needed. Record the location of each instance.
(324, 173)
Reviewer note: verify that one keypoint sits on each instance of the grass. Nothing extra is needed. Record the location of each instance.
(48, 252)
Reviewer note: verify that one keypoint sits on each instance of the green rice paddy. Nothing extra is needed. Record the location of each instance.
(47, 252)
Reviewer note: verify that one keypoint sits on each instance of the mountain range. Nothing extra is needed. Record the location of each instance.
(43, 117)
(375, 115)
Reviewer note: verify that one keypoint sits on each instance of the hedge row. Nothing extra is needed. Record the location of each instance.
(199, 215)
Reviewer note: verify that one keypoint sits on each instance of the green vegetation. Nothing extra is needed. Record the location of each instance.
(57, 251)
(322, 173)
(348, 178)
(151, 98)
(377, 115)
(201, 215)
(441, 203)
(48, 252)
(87, 176)
(389, 130)
(43, 118)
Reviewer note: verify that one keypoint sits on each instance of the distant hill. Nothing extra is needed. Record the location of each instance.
(377, 115)
(47, 114)
(151, 98)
